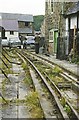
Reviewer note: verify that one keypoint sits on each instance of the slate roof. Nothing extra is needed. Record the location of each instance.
(18, 17)
(11, 25)
(25, 30)
(74, 9)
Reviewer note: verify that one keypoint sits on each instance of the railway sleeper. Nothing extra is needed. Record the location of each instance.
(5, 74)
(3, 98)
(64, 85)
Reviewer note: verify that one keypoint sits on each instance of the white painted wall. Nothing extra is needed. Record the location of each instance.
(0, 34)
(0, 17)
(67, 37)
(78, 21)
(73, 22)
(7, 34)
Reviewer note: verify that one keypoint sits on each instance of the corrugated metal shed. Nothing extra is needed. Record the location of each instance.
(18, 17)
(11, 25)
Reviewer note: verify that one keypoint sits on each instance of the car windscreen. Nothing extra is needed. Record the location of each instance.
(30, 41)
(4, 41)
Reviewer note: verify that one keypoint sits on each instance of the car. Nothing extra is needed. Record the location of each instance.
(29, 43)
(14, 42)
(5, 43)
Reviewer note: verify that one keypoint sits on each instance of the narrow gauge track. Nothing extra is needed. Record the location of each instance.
(13, 93)
(50, 89)
(66, 72)
(10, 62)
(57, 114)
(60, 93)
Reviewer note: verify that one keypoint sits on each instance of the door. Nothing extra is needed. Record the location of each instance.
(3, 33)
(55, 41)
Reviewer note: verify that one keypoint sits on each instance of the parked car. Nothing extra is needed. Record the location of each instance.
(5, 43)
(30, 42)
(14, 42)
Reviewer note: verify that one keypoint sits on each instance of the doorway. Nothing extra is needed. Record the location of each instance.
(55, 41)
(2, 30)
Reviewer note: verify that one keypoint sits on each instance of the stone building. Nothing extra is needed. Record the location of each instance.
(72, 27)
(43, 28)
(16, 25)
(55, 22)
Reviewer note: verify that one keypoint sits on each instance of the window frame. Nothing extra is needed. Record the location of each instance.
(11, 32)
(51, 6)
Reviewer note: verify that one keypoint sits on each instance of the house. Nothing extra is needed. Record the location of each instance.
(16, 25)
(72, 26)
(54, 22)
(52, 13)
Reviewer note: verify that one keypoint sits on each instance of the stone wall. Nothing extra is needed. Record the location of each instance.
(56, 20)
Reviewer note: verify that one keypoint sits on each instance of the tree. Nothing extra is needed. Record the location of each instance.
(37, 22)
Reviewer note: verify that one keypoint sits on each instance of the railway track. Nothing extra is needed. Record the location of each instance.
(72, 109)
(50, 94)
(66, 74)
(58, 107)
(70, 81)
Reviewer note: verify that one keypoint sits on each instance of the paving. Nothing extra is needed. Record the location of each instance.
(15, 90)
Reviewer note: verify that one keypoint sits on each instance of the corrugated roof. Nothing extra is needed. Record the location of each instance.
(19, 17)
(11, 25)
(74, 9)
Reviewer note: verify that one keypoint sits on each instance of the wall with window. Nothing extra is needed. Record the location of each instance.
(52, 6)
(50, 36)
(23, 24)
(9, 35)
(73, 22)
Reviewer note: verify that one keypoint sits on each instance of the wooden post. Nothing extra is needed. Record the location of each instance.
(74, 41)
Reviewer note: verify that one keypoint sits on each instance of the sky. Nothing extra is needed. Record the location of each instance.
(34, 7)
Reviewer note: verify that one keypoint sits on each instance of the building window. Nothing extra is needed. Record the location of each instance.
(26, 23)
(11, 32)
(46, 5)
(52, 3)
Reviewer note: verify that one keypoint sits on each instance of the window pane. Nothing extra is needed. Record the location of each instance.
(51, 6)
(11, 32)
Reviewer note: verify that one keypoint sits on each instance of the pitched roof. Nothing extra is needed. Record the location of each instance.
(11, 25)
(74, 9)
(18, 17)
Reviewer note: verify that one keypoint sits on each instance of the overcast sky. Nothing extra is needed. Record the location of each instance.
(35, 7)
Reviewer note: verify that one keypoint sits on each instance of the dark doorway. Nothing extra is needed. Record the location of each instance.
(2, 30)
(71, 37)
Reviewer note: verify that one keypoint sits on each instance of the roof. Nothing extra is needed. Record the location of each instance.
(11, 25)
(74, 9)
(19, 17)
(25, 30)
